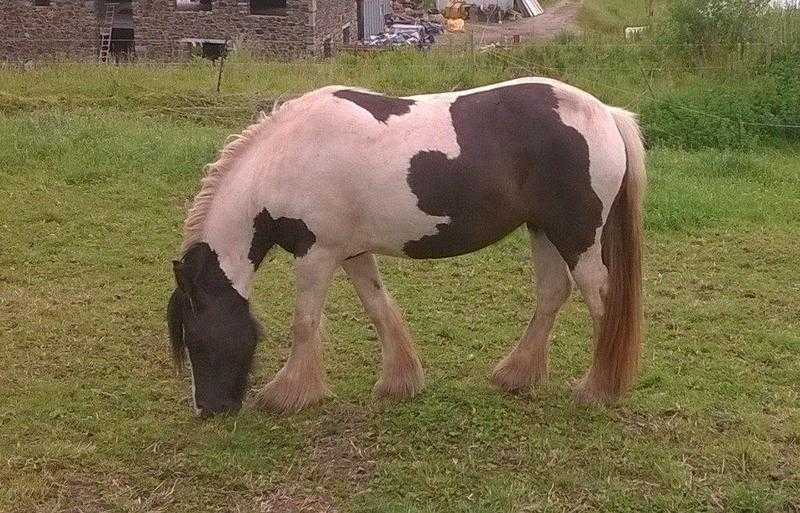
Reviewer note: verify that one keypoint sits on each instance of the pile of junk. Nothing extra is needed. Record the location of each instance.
(406, 31)
(456, 12)
(410, 25)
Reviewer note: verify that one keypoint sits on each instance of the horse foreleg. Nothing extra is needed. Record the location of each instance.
(402, 376)
(527, 363)
(301, 381)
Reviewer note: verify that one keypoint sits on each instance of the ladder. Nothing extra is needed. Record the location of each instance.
(105, 32)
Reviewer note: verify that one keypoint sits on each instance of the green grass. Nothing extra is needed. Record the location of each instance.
(739, 101)
(612, 16)
(94, 176)
(97, 164)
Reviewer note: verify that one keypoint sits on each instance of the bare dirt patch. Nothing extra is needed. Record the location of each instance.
(345, 449)
(342, 457)
(283, 502)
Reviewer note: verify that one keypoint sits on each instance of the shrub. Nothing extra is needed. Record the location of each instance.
(712, 26)
(729, 115)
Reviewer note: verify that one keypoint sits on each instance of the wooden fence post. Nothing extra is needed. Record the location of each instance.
(222, 64)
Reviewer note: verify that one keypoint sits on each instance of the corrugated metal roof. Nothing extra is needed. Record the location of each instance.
(531, 7)
(374, 12)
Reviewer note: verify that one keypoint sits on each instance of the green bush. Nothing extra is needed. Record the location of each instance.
(720, 29)
(725, 22)
(731, 102)
(730, 115)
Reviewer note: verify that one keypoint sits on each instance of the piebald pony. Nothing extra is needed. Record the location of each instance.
(341, 174)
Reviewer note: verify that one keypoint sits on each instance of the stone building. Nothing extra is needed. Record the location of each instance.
(170, 29)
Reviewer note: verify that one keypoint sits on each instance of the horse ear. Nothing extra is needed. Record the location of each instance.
(175, 325)
(180, 278)
(184, 282)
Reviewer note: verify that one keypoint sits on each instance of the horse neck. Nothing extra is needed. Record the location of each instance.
(229, 231)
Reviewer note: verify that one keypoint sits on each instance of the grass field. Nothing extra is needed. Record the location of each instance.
(96, 167)
(93, 417)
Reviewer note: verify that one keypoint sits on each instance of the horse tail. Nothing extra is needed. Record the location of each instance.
(621, 333)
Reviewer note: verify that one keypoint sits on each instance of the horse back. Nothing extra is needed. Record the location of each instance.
(448, 174)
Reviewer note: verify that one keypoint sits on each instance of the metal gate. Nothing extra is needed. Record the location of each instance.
(371, 17)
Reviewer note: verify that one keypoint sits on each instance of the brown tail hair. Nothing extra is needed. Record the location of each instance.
(620, 339)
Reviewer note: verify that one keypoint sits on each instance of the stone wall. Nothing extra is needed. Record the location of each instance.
(331, 17)
(66, 29)
(158, 26)
(69, 28)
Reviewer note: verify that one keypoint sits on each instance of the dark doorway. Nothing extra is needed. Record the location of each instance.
(122, 44)
(360, 18)
(267, 6)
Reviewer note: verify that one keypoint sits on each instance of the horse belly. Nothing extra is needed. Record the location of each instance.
(416, 214)
(485, 223)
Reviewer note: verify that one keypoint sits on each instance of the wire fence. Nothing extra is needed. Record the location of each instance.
(506, 54)
(499, 51)
(649, 94)
(581, 43)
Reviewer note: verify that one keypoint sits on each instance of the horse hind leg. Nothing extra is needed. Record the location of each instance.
(527, 363)
(402, 376)
(617, 338)
(609, 275)
(591, 277)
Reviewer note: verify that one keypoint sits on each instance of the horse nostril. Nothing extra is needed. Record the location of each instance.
(202, 410)
(233, 407)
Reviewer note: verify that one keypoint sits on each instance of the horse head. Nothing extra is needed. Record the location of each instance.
(210, 324)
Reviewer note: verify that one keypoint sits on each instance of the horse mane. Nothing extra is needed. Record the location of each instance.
(214, 173)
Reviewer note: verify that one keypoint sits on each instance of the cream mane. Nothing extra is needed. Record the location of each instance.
(214, 173)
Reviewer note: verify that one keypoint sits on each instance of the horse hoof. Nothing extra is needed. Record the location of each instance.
(514, 377)
(397, 390)
(587, 393)
(285, 397)
(401, 386)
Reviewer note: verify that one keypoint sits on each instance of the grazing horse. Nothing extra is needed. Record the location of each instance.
(341, 174)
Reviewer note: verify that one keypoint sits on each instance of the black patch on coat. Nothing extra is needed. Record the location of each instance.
(518, 164)
(201, 269)
(291, 234)
(210, 320)
(615, 214)
(381, 107)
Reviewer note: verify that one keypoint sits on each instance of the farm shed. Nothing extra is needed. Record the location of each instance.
(167, 29)
(371, 16)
